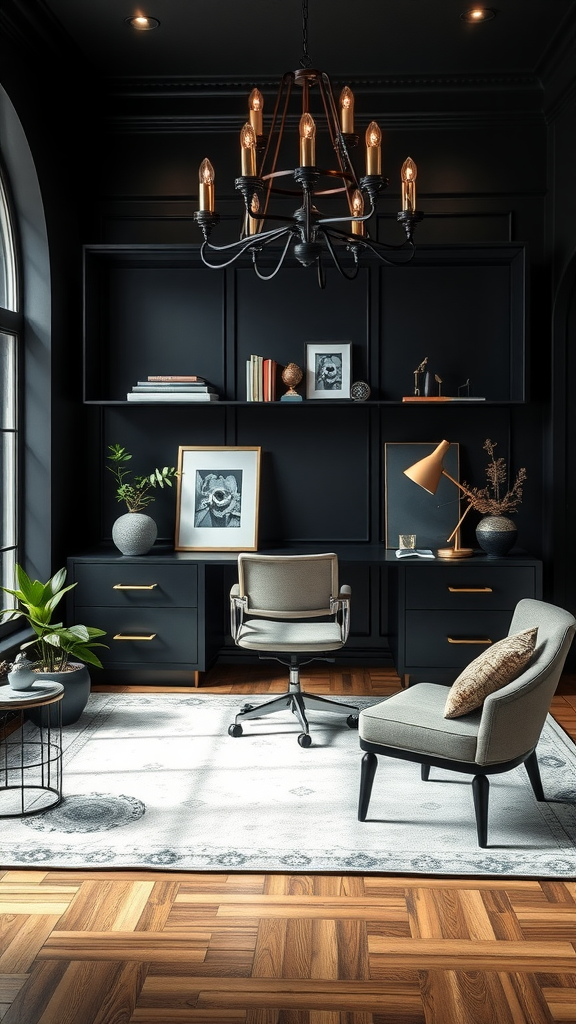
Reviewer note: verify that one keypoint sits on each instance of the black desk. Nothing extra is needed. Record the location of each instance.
(166, 613)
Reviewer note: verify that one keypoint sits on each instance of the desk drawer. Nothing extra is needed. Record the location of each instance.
(473, 587)
(148, 584)
(145, 636)
(451, 638)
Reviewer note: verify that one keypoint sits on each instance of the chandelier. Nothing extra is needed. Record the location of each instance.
(310, 234)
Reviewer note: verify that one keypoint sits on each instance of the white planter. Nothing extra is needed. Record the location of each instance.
(134, 533)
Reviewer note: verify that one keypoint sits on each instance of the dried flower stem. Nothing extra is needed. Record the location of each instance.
(490, 500)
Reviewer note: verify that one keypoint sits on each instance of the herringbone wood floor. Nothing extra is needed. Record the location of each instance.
(160, 948)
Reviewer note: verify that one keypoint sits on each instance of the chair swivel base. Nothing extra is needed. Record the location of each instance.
(298, 702)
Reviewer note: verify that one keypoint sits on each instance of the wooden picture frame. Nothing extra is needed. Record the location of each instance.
(411, 509)
(328, 369)
(217, 498)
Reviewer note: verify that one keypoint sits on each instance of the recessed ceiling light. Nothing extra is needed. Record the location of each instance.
(142, 23)
(478, 14)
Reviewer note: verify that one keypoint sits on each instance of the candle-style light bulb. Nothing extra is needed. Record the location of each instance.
(408, 175)
(248, 150)
(254, 225)
(347, 111)
(307, 141)
(206, 190)
(373, 149)
(357, 211)
(256, 106)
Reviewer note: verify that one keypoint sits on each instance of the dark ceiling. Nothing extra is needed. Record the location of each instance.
(263, 38)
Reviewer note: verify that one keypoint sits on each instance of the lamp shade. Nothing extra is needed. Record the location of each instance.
(427, 472)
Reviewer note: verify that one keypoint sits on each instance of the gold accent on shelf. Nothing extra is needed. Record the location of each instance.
(470, 590)
(134, 586)
(128, 636)
(478, 640)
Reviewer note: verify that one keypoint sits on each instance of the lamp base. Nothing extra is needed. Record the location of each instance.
(455, 552)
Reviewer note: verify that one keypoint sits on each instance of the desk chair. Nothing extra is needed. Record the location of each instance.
(284, 608)
(499, 735)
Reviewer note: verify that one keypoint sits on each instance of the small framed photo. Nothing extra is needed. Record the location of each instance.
(217, 499)
(328, 370)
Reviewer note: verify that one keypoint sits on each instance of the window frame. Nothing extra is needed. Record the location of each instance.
(12, 324)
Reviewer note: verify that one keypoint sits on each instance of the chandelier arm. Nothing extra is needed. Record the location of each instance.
(375, 246)
(334, 255)
(240, 247)
(336, 138)
(286, 83)
(268, 277)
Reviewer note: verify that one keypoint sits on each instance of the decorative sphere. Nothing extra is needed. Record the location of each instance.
(292, 375)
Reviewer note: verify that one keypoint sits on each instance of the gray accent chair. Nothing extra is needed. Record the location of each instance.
(289, 608)
(495, 738)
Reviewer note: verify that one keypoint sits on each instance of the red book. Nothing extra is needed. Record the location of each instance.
(269, 372)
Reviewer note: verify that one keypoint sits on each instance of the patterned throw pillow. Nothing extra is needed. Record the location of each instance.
(490, 671)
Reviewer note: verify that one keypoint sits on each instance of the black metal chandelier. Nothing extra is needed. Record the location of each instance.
(310, 234)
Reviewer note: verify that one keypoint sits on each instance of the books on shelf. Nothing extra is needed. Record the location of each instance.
(178, 378)
(261, 379)
(174, 396)
(173, 389)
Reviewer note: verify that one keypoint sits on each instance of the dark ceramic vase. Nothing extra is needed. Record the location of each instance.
(76, 692)
(496, 535)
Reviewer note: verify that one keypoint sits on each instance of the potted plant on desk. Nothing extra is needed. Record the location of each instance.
(59, 653)
(496, 532)
(134, 533)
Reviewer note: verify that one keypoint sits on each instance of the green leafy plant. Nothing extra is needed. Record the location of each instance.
(138, 493)
(497, 497)
(55, 645)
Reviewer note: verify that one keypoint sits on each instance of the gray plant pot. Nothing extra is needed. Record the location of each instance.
(76, 685)
(134, 533)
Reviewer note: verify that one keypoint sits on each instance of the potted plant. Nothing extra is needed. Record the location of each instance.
(496, 532)
(58, 652)
(134, 533)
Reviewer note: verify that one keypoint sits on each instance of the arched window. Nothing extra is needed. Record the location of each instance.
(11, 323)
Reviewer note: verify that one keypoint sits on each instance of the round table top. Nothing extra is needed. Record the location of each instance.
(44, 691)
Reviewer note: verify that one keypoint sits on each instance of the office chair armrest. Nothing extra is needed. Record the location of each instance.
(340, 607)
(238, 606)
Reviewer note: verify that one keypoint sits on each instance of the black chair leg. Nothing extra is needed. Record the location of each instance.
(369, 766)
(531, 766)
(424, 772)
(480, 792)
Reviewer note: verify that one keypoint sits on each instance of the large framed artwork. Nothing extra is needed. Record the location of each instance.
(217, 498)
(410, 509)
(328, 369)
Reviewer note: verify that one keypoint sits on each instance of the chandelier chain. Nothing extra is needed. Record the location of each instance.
(305, 60)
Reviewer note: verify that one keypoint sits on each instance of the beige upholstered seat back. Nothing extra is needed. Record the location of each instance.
(513, 717)
(291, 586)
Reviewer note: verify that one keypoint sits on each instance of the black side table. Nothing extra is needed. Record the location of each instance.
(30, 756)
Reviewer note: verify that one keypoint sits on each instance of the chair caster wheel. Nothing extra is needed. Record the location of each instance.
(234, 730)
(305, 740)
(352, 721)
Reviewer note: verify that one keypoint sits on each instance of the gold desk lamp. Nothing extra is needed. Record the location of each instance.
(426, 473)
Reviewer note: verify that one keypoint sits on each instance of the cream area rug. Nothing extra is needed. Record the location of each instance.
(155, 781)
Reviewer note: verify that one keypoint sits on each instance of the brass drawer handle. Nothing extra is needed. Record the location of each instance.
(133, 586)
(128, 636)
(470, 590)
(482, 640)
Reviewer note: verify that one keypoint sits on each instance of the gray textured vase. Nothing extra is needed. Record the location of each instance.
(496, 535)
(76, 685)
(134, 533)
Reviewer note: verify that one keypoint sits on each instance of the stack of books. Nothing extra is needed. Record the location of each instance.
(261, 379)
(173, 388)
